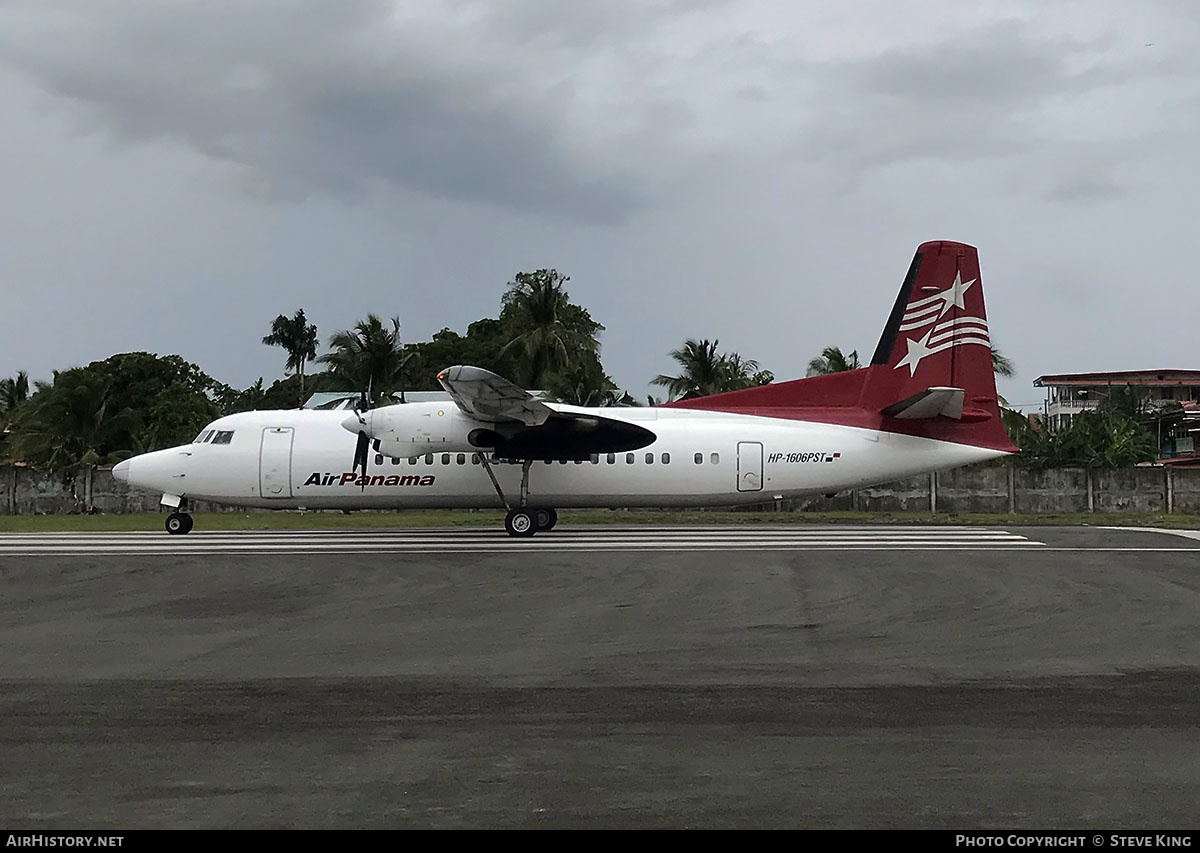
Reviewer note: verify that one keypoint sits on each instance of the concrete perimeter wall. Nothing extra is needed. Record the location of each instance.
(986, 489)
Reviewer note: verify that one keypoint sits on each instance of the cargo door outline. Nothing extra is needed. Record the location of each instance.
(275, 462)
(749, 466)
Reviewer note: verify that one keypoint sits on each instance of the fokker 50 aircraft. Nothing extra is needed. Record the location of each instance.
(926, 402)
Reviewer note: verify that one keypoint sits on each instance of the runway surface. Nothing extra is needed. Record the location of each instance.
(1043, 677)
(471, 540)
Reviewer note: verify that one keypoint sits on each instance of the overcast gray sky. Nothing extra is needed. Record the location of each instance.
(175, 174)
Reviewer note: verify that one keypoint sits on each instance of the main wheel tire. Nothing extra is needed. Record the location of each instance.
(189, 523)
(520, 522)
(545, 518)
(178, 524)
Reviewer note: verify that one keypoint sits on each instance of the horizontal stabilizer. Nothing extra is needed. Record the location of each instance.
(930, 403)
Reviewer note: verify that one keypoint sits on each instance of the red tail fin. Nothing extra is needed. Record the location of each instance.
(936, 338)
(937, 334)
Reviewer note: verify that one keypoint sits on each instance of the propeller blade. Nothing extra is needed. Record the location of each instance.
(361, 449)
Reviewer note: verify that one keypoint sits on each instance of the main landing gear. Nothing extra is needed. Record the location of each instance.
(523, 520)
(179, 523)
(526, 522)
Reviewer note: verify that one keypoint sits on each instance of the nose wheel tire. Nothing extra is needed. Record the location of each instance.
(545, 518)
(179, 523)
(520, 522)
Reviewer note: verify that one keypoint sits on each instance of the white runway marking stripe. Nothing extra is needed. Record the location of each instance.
(476, 540)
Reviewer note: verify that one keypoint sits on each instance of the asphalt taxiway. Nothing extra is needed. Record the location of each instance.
(597, 677)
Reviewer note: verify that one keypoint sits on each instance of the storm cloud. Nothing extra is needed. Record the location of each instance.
(178, 173)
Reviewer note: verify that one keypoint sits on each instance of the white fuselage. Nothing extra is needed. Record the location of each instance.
(303, 459)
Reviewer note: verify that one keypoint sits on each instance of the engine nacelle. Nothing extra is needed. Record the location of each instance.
(415, 429)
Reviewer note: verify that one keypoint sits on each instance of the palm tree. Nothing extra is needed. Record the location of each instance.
(369, 357)
(744, 373)
(546, 328)
(13, 391)
(701, 370)
(1001, 365)
(832, 360)
(72, 423)
(299, 338)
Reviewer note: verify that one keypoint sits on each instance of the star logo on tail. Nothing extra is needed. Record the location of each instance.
(917, 350)
(953, 295)
(928, 313)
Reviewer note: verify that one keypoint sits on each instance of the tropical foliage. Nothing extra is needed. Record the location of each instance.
(1104, 438)
(128, 403)
(832, 360)
(14, 390)
(547, 333)
(135, 402)
(298, 338)
(369, 358)
(704, 370)
(1002, 366)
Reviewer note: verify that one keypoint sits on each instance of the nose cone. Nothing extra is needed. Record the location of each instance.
(120, 471)
(353, 424)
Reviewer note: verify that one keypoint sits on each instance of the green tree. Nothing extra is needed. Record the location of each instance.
(1002, 366)
(482, 346)
(72, 422)
(547, 332)
(14, 391)
(704, 370)
(369, 357)
(744, 373)
(128, 403)
(298, 338)
(833, 360)
(170, 397)
(584, 384)
(700, 370)
(1097, 439)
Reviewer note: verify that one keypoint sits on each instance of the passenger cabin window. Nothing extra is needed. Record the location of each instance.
(428, 458)
(395, 460)
(462, 459)
(699, 458)
(595, 458)
(649, 458)
(612, 457)
(666, 459)
(628, 458)
(223, 437)
(378, 458)
(412, 460)
(445, 458)
(474, 458)
(715, 458)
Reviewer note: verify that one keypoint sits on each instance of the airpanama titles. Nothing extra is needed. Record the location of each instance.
(353, 478)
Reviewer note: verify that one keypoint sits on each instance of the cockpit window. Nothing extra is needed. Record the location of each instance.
(223, 437)
(203, 437)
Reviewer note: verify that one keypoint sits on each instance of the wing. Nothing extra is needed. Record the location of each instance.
(524, 427)
(492, 399)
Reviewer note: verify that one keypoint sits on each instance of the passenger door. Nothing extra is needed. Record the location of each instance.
(275, 463)
(750, 466)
